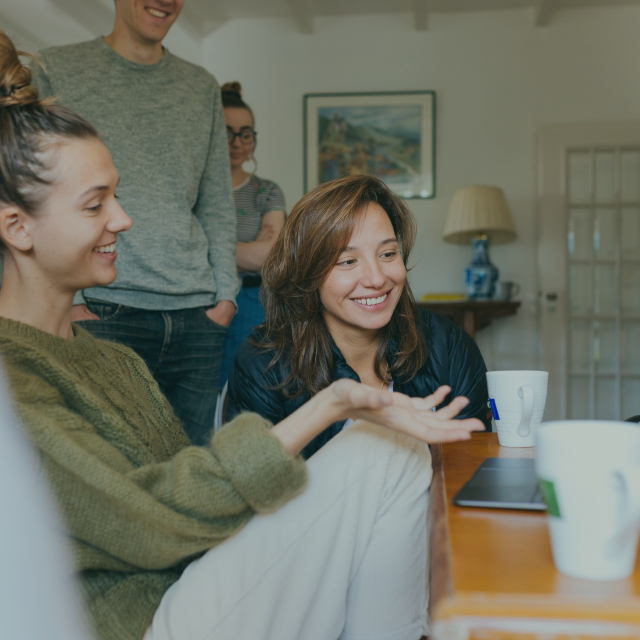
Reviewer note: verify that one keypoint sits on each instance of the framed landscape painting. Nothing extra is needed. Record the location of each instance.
(390, 135)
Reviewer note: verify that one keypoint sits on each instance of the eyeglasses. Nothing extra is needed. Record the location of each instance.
(247, 135)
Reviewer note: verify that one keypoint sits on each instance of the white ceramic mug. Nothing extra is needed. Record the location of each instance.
(517, 400)
(589, 473)
(506, 290)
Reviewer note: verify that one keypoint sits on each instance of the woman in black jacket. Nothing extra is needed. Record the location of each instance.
(338, 305)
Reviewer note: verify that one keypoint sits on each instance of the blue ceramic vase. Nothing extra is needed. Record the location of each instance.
(480, 276)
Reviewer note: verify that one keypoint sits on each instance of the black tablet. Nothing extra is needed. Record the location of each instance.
(503, 483)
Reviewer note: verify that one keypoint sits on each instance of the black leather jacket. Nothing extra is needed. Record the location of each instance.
(453, 359)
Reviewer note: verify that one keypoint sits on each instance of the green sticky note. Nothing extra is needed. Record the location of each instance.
(549, 496)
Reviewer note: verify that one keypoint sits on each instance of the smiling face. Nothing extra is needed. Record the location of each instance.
(363, 288)
(148, 20)
(74, 234)
(238, 119)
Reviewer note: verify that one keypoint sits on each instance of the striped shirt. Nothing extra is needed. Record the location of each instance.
(255, 198)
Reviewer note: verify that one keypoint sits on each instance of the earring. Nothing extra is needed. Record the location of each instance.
(255, 164)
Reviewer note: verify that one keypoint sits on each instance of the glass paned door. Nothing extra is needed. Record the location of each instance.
(603, 278)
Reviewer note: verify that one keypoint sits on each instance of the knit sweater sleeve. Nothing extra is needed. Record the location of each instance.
(127, 517)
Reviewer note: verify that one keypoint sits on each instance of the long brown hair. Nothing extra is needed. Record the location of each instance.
(27, 127)
(316, 232)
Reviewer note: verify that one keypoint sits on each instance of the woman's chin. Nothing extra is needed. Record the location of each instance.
(100, 279)
(374, 322)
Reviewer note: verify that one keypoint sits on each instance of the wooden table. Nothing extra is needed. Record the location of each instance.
(492, 573)
(472, 315)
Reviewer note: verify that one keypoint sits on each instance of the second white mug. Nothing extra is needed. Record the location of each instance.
(517, 400)
(589, 473)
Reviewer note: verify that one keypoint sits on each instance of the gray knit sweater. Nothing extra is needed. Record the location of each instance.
(164, 126)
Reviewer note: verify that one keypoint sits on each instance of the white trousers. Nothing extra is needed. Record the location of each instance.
(347, 558)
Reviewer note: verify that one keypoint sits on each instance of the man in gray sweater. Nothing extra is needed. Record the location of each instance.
(162, 120)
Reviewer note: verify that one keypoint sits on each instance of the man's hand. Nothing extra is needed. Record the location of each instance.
(81, 312)
(222, 313)
(413, 416)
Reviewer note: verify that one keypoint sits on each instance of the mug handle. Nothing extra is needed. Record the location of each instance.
(630, 518)
(526, 393)
(516, 290)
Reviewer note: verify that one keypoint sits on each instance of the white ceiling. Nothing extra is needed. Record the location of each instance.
(73, 20)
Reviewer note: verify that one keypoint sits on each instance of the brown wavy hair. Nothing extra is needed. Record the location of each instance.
(316, 232)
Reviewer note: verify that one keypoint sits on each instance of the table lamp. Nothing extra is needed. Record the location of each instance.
(479, 214)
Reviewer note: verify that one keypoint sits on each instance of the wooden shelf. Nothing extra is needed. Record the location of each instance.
(472, 315)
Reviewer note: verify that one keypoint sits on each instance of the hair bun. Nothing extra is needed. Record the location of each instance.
(232, 88)
(15, 78)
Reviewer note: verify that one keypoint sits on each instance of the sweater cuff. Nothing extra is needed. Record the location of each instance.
(257, 464)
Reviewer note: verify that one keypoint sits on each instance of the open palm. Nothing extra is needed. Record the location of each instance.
(413, 416)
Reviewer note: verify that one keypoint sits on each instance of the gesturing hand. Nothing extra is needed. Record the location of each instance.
(413, 416)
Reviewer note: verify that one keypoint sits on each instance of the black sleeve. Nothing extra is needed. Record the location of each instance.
(251, 385)
(468, 376)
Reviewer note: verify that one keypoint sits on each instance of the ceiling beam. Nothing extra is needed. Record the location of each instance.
(421, 14)
(91, 14)
(544, 11)
(302, 15)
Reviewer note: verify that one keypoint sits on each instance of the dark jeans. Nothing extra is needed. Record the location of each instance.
(183, 350)
(250, 314)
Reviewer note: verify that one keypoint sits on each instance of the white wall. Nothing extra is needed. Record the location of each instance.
(497, 78)
(38, 24)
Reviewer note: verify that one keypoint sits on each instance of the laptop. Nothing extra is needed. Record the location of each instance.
(503, 483)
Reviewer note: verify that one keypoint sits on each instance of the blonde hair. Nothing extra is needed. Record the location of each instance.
(28, 126)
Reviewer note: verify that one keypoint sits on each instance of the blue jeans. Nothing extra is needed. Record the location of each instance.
(250, 314)
(183, 350)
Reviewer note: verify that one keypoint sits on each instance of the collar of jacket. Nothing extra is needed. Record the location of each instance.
(340, 367)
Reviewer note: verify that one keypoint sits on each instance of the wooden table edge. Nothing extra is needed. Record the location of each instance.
(470, 610)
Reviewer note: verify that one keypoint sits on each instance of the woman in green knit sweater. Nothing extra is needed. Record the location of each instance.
(240, 539)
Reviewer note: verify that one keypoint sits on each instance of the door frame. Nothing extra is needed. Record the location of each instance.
(552, 143)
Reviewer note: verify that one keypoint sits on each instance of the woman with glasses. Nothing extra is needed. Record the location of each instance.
(260, 212)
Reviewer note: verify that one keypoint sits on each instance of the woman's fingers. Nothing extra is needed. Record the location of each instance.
(456, 426)
(361, 396)
(428, 402)
(409, 415)
(365, 397)
(452, 409)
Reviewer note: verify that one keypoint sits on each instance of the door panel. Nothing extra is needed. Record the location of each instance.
(589, 269)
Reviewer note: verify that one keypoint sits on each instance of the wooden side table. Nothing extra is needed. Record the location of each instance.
(472, 315)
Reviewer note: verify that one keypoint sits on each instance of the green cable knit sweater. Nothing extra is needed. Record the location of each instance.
(139, 502)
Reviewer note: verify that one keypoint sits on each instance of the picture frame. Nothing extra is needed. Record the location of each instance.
(388, 134)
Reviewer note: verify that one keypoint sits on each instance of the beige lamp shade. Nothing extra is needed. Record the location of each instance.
(478, 210)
